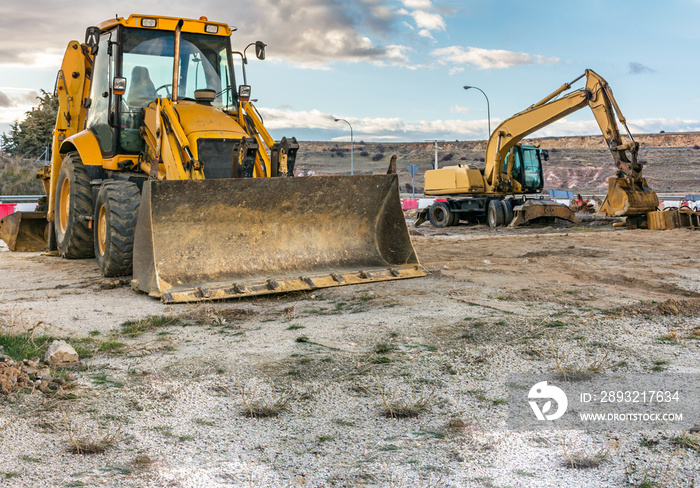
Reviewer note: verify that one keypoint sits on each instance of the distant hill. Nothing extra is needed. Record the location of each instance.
(579, 163)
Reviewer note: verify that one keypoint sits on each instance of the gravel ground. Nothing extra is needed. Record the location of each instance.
(172, 401)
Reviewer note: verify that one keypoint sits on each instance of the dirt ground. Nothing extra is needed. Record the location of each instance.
(173, 400)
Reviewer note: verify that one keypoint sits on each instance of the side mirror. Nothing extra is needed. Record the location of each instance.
(119, 85)
(92, 38)
(545, 154)
(260, 50)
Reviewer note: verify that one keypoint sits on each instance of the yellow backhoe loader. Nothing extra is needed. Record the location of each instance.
(160, 167)
(513, 170)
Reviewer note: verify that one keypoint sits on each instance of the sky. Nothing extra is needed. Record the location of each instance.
(395, 70)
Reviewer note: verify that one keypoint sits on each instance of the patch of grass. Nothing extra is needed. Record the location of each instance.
(111, 346)
(295, 327)
(11, 474)
(134, 328)
(29, 459)
(204, 423)
(343, 423)
(94, 333)
(26, 345)
(660, 365)
(555, 324)
(383, 348)
(648, 442)
(687, 441)
(302, 339)
(324, 438)
(103, 379)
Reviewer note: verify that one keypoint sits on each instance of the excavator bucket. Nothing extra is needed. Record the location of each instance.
(221, 238)
(24, 231)
(537, 209)
(626, 198)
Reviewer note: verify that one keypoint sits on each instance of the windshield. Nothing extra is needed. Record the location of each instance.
(147, 64)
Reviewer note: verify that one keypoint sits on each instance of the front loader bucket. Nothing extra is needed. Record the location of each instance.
(537, 209)
(221, 238)
(24, 231)
(626, 198)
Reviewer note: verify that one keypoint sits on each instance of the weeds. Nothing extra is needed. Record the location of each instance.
(88, 440)
(576, 365)
(401, 400)
(261, 399)
(687, 441)
(584, 458)
(134, 328)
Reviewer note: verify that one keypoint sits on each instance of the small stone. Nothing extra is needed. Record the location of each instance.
(60, 353)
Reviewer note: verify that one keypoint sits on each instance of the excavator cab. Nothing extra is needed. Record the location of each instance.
(523, 164)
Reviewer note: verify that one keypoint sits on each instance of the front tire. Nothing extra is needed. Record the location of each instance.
(116, 214)
(439, 214)
(73, 208)
(496, 213)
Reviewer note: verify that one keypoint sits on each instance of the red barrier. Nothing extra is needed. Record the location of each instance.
(7, 209)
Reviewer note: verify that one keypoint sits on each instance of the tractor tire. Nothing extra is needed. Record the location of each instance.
(439, 214)
(116, 214)
(495, 214)
(73, 209)
(507, 211)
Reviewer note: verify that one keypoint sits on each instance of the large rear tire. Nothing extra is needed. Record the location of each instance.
(495, 213)
(116, 214)
(507, 211)
(439, 214)
(73, 208)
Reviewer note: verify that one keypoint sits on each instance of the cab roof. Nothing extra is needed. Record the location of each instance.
(168, 24)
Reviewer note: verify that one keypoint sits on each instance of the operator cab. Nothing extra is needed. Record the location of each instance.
(527, 166)
(134, 66)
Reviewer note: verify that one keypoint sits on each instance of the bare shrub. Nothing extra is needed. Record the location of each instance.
(93, 438)
(261, 399)
(403, 400)
(579, 365)
(583, 457)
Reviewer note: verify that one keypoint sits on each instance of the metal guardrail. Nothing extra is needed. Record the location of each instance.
(20, 198)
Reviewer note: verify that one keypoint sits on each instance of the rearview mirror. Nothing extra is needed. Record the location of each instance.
(92, 38)
(260, 50)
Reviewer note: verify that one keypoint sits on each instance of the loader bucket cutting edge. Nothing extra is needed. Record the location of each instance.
(24, 231)
(213, 239)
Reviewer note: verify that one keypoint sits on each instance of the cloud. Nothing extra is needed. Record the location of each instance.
(306, 32)
(283, 120)
(638, 68)
(488, 58)
(5, 101)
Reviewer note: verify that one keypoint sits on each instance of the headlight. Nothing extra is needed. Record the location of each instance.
(149, 22)
(211, 29)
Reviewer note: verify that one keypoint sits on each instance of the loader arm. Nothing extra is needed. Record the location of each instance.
(597, 95)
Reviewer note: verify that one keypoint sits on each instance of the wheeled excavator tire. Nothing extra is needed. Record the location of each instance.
(73, 209)
(440, 215)
(116, 214)
(495, 213)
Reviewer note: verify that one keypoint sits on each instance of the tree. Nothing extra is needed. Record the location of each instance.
(30, 137)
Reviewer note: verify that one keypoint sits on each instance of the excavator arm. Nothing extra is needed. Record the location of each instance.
(628, 193)
(597, 95)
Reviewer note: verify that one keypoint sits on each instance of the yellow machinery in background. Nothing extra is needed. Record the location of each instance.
(161, 168)
(513, 170)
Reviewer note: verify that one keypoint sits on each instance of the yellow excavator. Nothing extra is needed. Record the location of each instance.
(499, 192)
(161, 168)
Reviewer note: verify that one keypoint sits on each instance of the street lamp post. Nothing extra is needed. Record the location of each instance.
(352, 146)
(488, 107)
